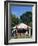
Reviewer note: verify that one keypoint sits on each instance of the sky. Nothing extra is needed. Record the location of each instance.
(19, 10)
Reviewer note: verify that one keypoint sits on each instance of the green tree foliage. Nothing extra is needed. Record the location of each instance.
(14, 20)
(24, 18)
(27, 18)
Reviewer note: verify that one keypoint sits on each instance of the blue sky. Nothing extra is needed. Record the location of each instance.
(19, 10)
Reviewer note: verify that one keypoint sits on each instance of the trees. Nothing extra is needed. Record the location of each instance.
(27, 18)
(14, 20)
(24, 18)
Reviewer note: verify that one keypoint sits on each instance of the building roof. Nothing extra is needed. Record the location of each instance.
(22, 25)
